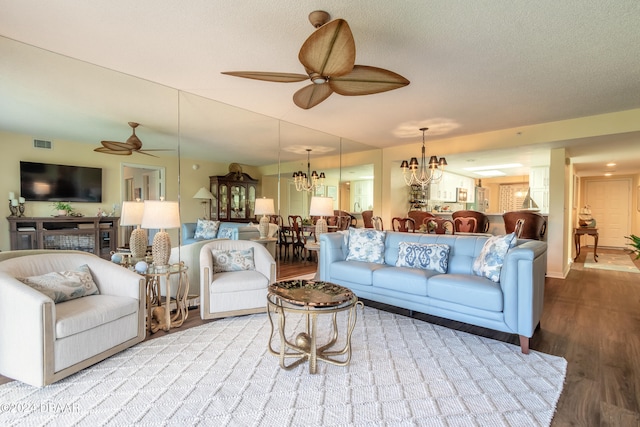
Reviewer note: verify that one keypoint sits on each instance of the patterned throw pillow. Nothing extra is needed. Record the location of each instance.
(232, 260)
(64, 285)
(489, 263)
(228, 233)
(366, 244)
(206, 229)
(427, 256)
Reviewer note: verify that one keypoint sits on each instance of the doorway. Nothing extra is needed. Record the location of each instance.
(610, 202)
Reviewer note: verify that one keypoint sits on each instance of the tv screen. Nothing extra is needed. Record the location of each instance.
(42, 182)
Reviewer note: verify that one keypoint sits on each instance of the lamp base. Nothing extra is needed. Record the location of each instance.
(138, 243)
(263, 227)
(161, 249)
(321, 227)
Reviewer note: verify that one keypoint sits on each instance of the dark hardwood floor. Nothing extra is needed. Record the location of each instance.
(591, 318)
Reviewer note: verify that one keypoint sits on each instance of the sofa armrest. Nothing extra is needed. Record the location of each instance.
(26, 316)
(332, 249)
(522, 281)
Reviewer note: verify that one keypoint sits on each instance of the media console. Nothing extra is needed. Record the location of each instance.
(97, 235)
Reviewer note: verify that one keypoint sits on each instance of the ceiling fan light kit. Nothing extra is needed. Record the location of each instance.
(328, 56)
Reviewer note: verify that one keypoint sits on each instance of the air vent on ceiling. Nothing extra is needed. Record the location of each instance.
(41, 143)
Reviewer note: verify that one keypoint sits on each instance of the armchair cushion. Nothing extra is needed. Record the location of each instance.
(206, 229)
(489, 262)
(232, 260)
(64, 285)
(427, 256)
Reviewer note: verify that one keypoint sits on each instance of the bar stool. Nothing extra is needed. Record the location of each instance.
(470, 222)
(534, 226)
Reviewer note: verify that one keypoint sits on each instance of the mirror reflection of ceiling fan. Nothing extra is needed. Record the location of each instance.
(328, 56)
(132, 145)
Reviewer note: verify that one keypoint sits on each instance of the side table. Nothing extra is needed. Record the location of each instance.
(269, 243)
(578, 232)
(159, 311)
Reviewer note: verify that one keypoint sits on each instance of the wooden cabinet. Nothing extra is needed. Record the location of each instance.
(539, 186)
(97, 235)
(234, 197)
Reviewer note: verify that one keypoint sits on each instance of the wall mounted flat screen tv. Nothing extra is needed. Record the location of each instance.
(43, 182)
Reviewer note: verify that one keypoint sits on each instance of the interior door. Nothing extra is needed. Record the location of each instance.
(610, 201)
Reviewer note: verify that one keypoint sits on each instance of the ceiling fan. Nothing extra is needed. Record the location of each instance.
(328, 56)
(133, 145)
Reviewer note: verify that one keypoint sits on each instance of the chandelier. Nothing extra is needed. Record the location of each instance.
(308, 181)
(423, 173)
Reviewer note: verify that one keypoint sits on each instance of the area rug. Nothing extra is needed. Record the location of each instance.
(614, 262)
(403, 372)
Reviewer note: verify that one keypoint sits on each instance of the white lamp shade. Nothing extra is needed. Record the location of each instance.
(264, 206)
(161, 214)
(131, 213)
(203, 193)
(321, 206)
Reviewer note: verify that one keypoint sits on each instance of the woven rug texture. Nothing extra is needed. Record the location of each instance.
(612, 262)
(403, 372)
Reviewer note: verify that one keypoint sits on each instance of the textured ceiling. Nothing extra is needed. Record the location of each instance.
(474, 66)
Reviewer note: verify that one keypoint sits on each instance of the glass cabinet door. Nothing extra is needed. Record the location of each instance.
(251, 202)
(224, 201)
(214, 206)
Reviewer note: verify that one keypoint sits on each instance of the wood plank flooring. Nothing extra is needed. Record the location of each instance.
(592, 319)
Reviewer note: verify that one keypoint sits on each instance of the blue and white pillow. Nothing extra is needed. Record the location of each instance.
(232, 260)
(489, 263)
(206, 229)
(427, 256)
(64, 285)
(366, 244)
(228, 233)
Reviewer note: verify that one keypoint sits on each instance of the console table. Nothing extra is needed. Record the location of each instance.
(589, 231)
(97, 235)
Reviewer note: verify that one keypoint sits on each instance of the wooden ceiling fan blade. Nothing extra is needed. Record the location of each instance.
(105, 150)
(311, 95)
(330, 50)
(145, 153)
(268, 76)
(366, 80)
(116, 146)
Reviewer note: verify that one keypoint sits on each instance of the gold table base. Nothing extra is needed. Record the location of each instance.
(159, 314)
(305, 348)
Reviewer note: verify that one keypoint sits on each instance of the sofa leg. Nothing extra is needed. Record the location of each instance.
(524, 344)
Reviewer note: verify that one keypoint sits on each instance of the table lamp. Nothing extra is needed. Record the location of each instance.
(205, 195)
(321, 206)
(132, 215)
(264, 207)
(160, 214)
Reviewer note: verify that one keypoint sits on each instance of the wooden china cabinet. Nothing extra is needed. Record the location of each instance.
(234, 197)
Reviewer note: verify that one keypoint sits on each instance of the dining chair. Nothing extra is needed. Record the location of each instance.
(367, 218)
(420, 217)
(439, 225)
(469, 221)
(377, 223)
(403, 224)
(534, 226)
(298, 238)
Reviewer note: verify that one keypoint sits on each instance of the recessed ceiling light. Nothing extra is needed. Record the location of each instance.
(608, 174)
(484, 168)
(490, 173)
(610, 165)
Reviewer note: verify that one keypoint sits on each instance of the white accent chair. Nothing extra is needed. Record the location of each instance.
(238, 292)
(42, 342)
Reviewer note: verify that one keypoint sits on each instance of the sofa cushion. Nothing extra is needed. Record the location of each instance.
(489, 262)
(427, 256)
(206, 229)
(238, 281)
(466, 289)
(366, 244)
(232, 260)
(403, 279)
(357, 272)
(64, 285)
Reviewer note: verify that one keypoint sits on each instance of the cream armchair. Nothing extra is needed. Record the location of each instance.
(236, 292)
(41, 341)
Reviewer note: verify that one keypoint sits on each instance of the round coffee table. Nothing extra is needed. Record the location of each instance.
(310, 298)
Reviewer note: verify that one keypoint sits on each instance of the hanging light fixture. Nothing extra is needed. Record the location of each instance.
(423, 173)
(308, 181)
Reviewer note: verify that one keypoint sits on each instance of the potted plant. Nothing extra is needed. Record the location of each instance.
(635, 243)
(63, 208)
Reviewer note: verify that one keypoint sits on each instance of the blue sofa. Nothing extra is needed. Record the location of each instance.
(228, 230)
(513, 305)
